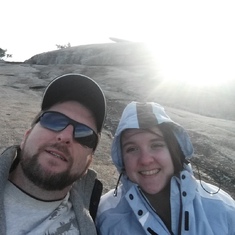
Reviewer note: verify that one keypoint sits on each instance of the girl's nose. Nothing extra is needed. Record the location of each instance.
(146, 157)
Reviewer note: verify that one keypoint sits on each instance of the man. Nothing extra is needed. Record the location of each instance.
(45, 183)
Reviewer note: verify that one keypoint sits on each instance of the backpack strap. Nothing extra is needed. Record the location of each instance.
(95, 198)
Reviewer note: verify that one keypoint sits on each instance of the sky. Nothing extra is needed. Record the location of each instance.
(191, 39)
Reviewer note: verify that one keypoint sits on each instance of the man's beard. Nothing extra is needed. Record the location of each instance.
(46, 180)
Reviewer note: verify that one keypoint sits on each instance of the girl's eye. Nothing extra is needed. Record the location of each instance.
(157, 145)
(131, 149)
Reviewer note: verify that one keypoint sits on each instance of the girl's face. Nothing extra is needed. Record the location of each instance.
(147, 159)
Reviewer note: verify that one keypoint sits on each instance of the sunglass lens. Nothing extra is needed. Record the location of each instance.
(85, 136)
(53, 121)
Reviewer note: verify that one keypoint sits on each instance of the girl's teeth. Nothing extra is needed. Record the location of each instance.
(152, 172)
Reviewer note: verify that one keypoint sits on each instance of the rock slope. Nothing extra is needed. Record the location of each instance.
(125, 71)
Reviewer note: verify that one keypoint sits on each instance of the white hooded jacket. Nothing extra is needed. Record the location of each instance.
(194, 211)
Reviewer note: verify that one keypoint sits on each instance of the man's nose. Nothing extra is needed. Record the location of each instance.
(66, 135)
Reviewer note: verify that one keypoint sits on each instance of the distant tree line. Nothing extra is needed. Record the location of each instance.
(3, 54)
(63, 46)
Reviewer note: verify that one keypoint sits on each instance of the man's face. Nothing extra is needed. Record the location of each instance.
(54, 160)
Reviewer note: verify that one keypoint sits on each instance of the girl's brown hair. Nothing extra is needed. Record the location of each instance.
(176, 153)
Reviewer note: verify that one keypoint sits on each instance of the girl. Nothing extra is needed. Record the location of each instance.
(159, 194)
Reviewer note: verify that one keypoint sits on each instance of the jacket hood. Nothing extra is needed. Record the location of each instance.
(145, 115)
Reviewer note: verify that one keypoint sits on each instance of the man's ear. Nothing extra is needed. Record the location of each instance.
(26, 134)
(98, 141)
(89, 161)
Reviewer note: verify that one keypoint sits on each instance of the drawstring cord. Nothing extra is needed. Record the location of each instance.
(116, 188)
(151, 231)
(200, 180)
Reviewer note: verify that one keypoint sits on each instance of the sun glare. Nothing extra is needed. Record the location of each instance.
(197, 50)
(194, 73)
(199, 82)
(194, 67)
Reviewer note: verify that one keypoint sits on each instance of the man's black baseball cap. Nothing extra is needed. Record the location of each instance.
(79, 88)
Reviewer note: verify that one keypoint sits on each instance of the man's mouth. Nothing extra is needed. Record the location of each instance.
(57, 155)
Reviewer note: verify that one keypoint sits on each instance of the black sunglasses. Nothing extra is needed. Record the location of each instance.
(56, 121)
